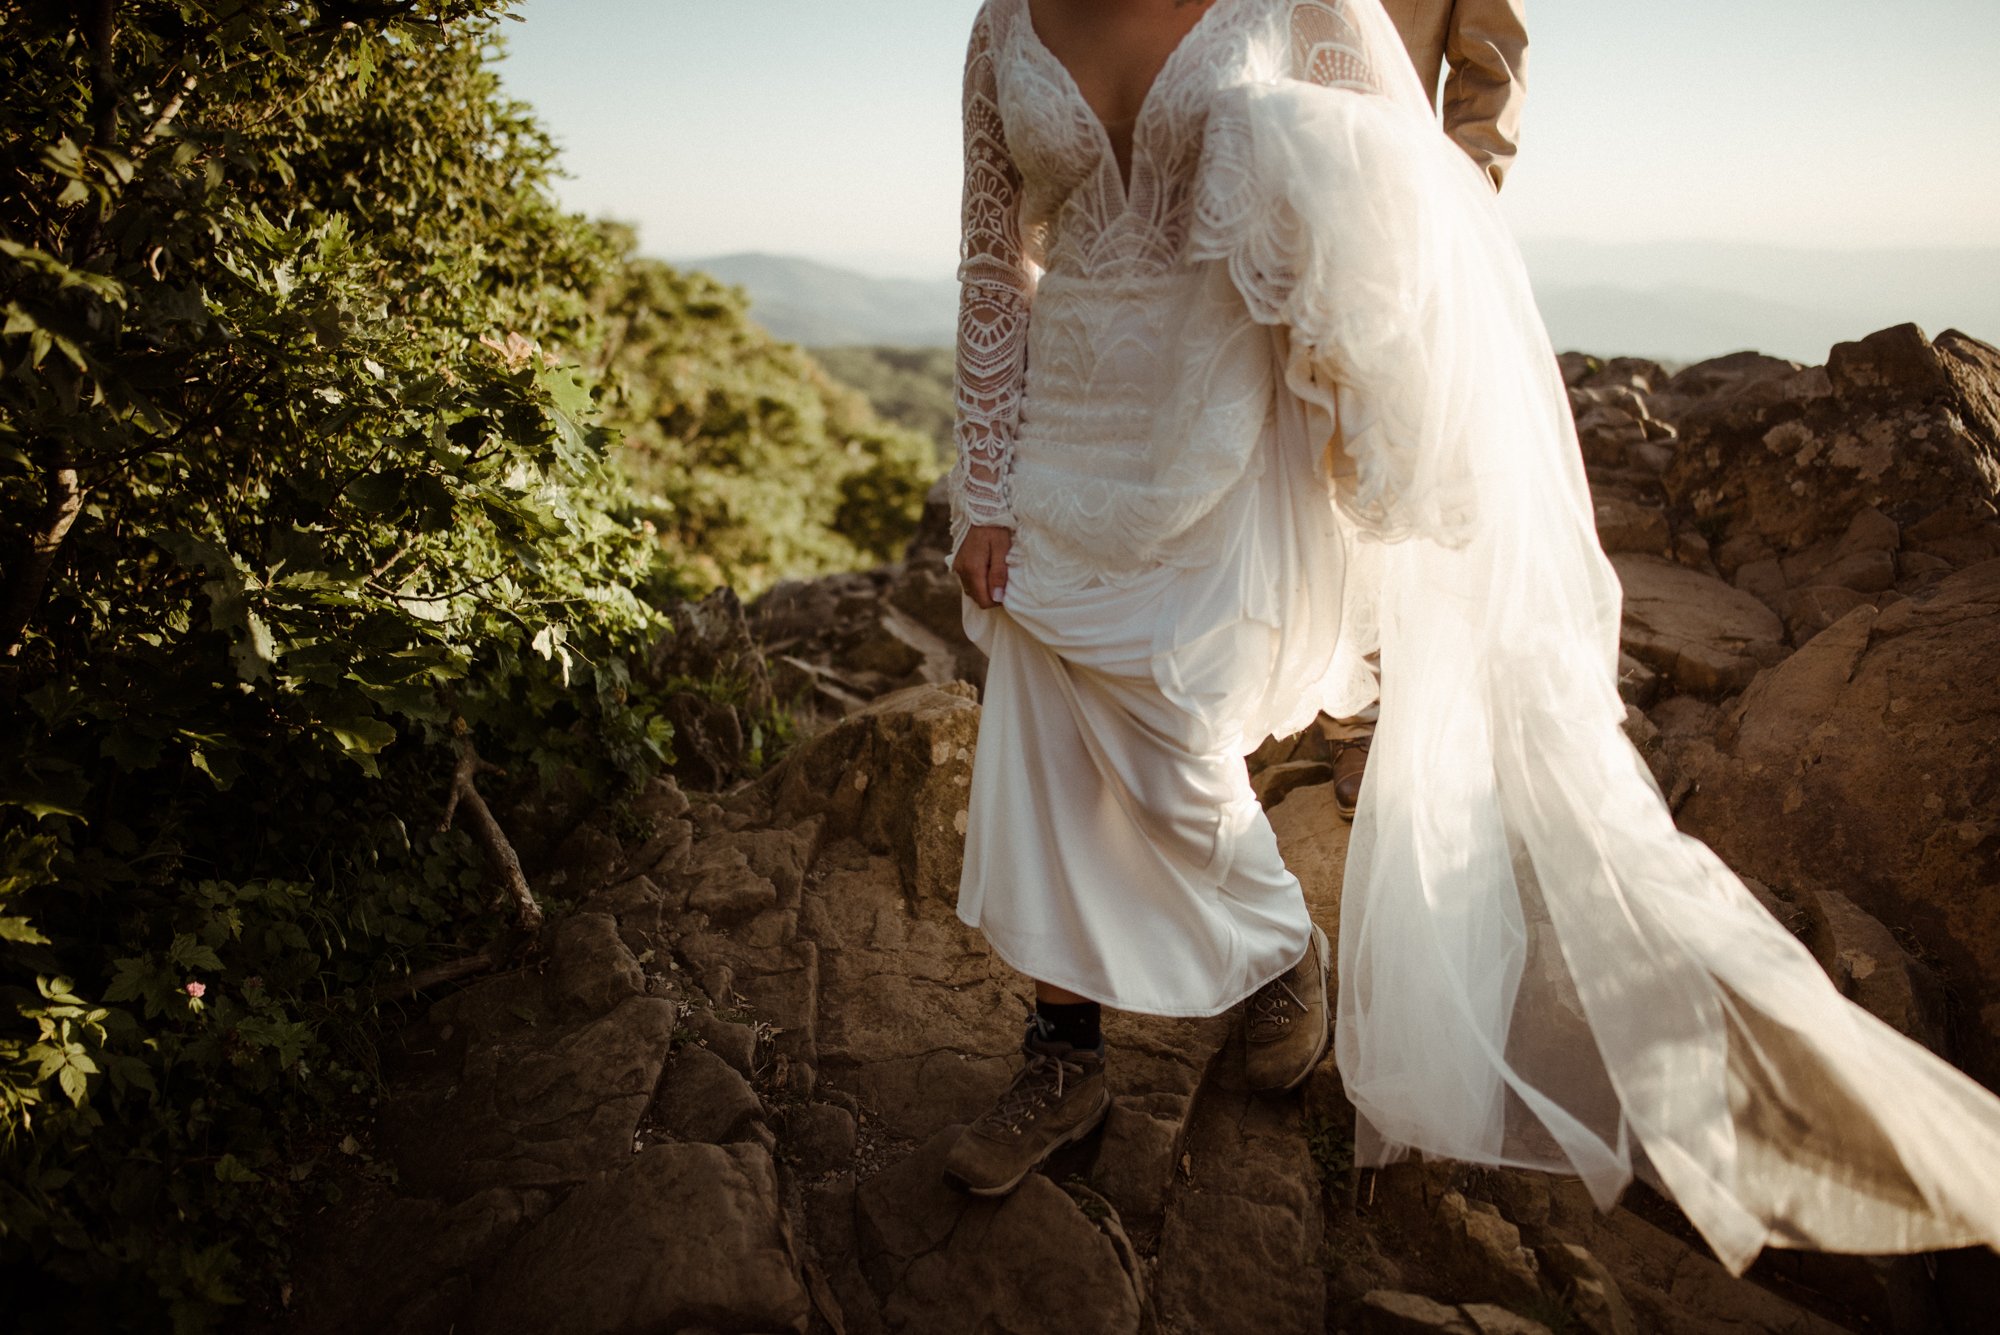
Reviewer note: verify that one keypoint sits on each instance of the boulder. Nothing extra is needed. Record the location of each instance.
(679, 1238)
(1872, 969)
(509, 1097)
(1249, 1177)
(921, 1022)
(1699, 633)
(950, 1264)
(1626, 525)
(1866, 761)
(1903, 425)
(896, 774)
(1588, 1289)
(704, 1098)
(591, 969)
(1485, 1252)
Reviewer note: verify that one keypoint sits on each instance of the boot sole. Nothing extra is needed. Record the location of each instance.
(1077, 1133)
(1326, 1034)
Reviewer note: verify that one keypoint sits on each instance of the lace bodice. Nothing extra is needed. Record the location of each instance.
(1044, 195)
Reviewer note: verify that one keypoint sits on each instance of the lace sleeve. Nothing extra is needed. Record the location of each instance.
(1334, 48)
(996, 284)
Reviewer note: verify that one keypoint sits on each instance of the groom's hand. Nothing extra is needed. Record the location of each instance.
(981, 563)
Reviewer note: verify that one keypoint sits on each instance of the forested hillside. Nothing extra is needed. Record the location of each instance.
(317, 534)
(909, 386)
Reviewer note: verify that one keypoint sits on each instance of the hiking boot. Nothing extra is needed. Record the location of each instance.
(1285, 1028)
(1350, 762)
(1059, 1095)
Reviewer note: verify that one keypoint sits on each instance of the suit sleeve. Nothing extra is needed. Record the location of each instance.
(996, 284)
(1487, 51)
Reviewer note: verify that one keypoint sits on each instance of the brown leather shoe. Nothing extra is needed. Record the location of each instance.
(1285, 1025)
(1059, 1095)
(1350, 760)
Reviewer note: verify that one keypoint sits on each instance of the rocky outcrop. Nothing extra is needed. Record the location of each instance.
(1866, 765)
(718, 1101)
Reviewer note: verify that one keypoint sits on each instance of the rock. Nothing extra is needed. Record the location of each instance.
(679, 1238)
(896, 775)
(507, 1102)
(945, 1263)
(1488, 1319)
(1732, 371)
(1810, 610)
(1385, 1312)
(778, 981)
(706, 1099)
(720, 882)
(1250, 1178)
(1698, 632)
(1866, 761)
(1871, 968)
(929, 593)
(1589, 1290)
(587, 860)
(1605, 429)
(1637, 684)
(420, 1257)
(1271, 785)
(1904, 426)
(780, 856)
(1625, 525)
(734, 1043)
(821, 1136)
(591, 969)
(1486, 1252)
(921, 1021)
(1312, 838)
(1136, 1153)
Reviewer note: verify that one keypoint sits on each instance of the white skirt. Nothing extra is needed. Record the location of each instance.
(1114, 847)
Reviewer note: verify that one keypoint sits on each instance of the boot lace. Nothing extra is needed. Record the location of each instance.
(1271, 1009)
(1037, 1085)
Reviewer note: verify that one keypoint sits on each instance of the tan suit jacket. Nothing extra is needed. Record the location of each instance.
(1485, 42)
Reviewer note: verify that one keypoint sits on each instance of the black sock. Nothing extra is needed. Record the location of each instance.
(1075, 1023)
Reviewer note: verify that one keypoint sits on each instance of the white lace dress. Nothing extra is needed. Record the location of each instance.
(1280, 399)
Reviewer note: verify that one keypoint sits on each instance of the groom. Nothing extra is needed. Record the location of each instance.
(1483, 44)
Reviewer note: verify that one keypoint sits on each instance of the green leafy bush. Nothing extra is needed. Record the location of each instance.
(303, 488)
(911, 387)
(753, 463)
(309, 476)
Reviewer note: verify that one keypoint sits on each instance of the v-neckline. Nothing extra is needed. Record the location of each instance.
(1104, 144)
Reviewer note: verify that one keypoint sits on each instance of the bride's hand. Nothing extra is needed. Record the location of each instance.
(981, 564)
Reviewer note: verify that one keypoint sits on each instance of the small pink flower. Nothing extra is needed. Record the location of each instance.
(196, 990)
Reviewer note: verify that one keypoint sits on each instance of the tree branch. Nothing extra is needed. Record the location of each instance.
(23, 591)
(493, 839)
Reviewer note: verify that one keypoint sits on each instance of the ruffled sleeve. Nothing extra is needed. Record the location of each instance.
(996, 284)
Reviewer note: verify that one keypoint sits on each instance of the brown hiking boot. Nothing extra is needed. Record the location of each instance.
(1059, 1095)
(1285, 1028)
(1350, 762)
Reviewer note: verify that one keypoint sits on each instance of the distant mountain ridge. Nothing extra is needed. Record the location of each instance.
(1676, 301)
(818, 304)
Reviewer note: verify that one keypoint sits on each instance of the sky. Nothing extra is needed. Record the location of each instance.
(830, 130)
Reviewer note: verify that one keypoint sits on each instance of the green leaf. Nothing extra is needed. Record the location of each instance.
(366, 736)
(231, 1169)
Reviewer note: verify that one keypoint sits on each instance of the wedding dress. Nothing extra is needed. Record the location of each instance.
(1285, 399)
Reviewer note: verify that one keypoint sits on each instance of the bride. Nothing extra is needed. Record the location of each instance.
(1252, 388)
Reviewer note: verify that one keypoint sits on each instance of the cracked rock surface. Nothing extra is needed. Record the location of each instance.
(717, 1101)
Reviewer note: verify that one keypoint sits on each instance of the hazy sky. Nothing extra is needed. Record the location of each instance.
(831, 129)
